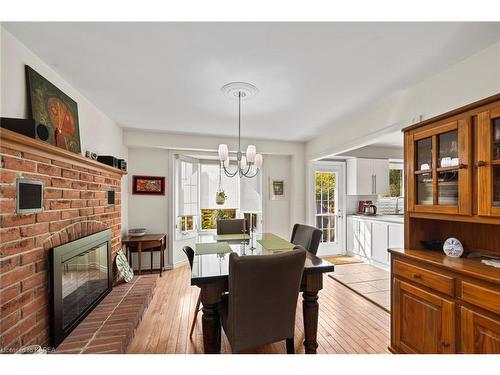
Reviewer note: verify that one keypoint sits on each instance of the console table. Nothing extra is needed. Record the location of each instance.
(148, 242)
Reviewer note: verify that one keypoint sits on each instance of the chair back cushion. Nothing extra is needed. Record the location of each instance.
(231, 226)
(306, 236)
(263, 292)
(190, 255)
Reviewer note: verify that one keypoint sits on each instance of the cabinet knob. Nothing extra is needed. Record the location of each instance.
(417, 276)
(462, 166)
(445, 344)
(481, 163)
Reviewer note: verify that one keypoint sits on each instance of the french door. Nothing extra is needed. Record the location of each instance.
(327, 213)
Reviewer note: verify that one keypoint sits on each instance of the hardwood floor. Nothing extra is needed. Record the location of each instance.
(347, 322)
(371, 282)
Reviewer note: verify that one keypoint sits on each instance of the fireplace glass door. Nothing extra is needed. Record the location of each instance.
(84, 279)
(80, 277)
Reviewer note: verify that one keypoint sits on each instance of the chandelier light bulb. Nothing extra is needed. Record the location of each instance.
(250, 154)
(243, 162)
(258, 161)
(223, 152)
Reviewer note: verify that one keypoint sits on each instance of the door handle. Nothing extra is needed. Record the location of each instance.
(375, 189)
(481, 163)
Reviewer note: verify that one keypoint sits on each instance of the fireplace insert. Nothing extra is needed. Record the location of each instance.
(81, 276)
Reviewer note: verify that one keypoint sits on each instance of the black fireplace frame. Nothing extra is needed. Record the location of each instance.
(56, 257)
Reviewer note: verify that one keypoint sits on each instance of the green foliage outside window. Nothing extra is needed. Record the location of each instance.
(395, 178)
(209, 217)
(325, 192)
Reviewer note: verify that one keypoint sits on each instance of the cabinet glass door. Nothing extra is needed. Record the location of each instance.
(496, 186)
(424, 170)
(496, 160)
(496, 138)
(488, 171)
(448, 168)
(424, 154)
(441, 174)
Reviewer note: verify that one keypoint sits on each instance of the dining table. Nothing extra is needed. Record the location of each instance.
(210, 272)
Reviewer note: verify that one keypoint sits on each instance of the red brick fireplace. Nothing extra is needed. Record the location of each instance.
(75, 205)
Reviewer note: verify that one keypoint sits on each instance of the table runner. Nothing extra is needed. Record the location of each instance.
(227, 237)
(212, 248)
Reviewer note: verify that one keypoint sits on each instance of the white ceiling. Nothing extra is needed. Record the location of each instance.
(167, 76)
(389, 140)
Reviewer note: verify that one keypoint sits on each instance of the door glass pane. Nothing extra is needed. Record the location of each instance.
(448, 149)
(496, 138)
(424, 154)
(448, 188)
(496, 185)
(424, 188)
(325, 194)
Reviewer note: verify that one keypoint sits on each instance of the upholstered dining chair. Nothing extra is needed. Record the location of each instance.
(262, 300)
(190, 255)
(306, 236)
(231, 226)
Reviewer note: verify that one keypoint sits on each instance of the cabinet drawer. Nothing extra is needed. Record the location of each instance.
(486, 298)
(436, 281)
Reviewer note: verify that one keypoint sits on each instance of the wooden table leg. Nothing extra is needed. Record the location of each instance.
(151, 260)
(310, 310)
(139, 256)
(210, 296)
(162, 257)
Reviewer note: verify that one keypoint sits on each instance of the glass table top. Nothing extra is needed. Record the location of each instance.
(215, 267)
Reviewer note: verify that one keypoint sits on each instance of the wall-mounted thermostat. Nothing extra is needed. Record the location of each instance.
(29, 196)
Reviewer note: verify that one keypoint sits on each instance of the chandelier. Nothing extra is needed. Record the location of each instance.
(248, 164)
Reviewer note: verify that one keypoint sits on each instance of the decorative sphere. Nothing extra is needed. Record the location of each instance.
(453, 248)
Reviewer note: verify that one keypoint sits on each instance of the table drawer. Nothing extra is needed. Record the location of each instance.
(433, 280)
(486, 298)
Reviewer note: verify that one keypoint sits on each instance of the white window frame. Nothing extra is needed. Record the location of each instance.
(181, 235)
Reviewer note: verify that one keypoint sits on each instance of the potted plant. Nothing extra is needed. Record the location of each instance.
(220, 197)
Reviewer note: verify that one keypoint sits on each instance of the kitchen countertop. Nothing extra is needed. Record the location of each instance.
(387, 218)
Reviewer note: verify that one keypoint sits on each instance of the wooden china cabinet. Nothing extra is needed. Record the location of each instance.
(452, 169)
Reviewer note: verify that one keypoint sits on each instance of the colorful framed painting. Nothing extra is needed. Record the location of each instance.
(148, 185)
(56, 110)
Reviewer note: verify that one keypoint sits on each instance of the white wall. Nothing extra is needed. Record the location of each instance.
(277, 212)
(98, 133)
(472, 79)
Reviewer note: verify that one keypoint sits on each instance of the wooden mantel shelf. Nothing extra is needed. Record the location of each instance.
(12, 139)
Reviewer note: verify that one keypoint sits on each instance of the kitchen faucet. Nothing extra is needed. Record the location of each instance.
(397, 204)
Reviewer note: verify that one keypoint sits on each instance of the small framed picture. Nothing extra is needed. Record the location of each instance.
(148, 185)
(277, 189)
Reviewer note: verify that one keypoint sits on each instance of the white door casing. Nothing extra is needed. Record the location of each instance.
(338, 245)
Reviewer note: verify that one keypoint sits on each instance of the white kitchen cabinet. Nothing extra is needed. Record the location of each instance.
(350, 234)
(381, 176)
(367, 176)
(379, 241)
(396, 236)
(361, 238)
(369, 238)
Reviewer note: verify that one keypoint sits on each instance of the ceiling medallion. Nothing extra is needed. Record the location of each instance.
(250, 163)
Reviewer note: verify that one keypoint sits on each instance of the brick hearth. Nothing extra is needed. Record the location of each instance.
(75, 205)
(110, 327)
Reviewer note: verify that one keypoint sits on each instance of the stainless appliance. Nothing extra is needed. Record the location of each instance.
(369, 209)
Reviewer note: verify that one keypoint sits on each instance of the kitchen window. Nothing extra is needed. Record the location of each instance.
(395, 179)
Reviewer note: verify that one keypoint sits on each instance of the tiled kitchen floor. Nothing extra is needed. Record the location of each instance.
(371, 282)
